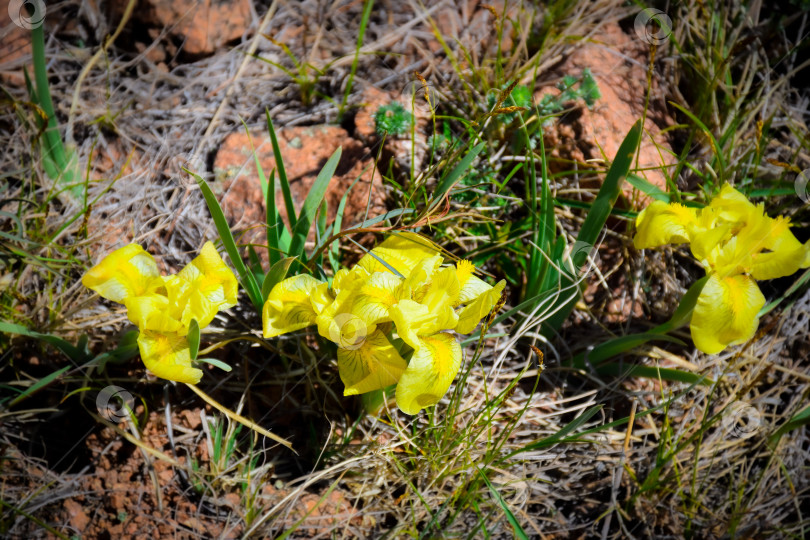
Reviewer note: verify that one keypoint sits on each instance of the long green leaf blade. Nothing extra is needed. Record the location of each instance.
(455, 175)
(282, 173)
(311, 205)
(245, 276)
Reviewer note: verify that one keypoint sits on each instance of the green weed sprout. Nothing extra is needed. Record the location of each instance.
(392, 119)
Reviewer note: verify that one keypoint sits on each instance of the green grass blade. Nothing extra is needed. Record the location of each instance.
(274, 224)
(651, 372)
(562, 433)
(519, 532)
(716, 148)
(597, 216)
(74, 353)
(43, 382)
(193, 338)
(617, 346)
(282, 174)
(245, 276)
(648, 188)
(609, 192)
(311, 205)
(446, 183)
(276, 274)
(802, 418)
(361, 33)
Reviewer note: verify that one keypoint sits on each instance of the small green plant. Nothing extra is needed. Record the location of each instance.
(392, 120)
(59, 163)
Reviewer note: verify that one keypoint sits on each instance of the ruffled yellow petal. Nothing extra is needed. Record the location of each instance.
(443, 291)
(429, 374)
(408, 317)
(731, 205)
(211, 287)
(167, 356)
(726, 313)
(349, 279)
(471, 315)
(400, 251)
(374, 365)
(321, 297)
(414, 320)
(376, 296)
(783, 254)
(288, 307)
(422, 273)
(152, 312)
(472, 289)
(124, 273)
(662, 223)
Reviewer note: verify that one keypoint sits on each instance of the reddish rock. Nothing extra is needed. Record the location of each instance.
(585, 134)
(203, 26)
(15, 48)
(371, 100)
(78, 517)
(305, 151)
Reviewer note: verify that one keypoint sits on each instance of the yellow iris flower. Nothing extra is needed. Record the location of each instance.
(162, 307)
(399, 288)
(737, 243)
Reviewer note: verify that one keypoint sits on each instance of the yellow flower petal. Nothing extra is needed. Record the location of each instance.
(472, 289)
(662, 223)
(443, 291)
(288, 307)
(124, 273)
(167, 356)
(731, 205)
(212, 287)
(321, 297)
(374, 365)
(413, 320)
(401, 251)
(380, 292)
(152, 312)
(726, 313)
(422, 273)
(784, 255)
(429, 374)
(471, 315)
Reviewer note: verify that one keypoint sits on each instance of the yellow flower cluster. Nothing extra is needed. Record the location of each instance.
(162, 307)
(737, 243)
(400, 287)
